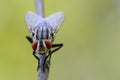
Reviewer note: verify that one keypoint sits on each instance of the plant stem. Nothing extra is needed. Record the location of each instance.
(40, 7)
(43, 70)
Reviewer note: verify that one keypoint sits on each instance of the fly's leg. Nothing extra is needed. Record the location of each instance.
(49, 60)
(48, 57)
(46, 62)
(37, 59)
(29, 39)
(58, 47)
(35, 55)
(51, 52)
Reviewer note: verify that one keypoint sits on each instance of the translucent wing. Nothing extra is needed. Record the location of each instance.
(32, 20)
(55, 21)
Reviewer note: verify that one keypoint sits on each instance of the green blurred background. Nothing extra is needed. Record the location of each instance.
(90, 33)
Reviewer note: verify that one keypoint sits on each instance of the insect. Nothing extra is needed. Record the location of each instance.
(43, 31)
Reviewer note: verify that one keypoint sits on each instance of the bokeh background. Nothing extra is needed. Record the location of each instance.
(90, 33)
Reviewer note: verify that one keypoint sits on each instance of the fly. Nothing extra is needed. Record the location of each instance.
(43, 31)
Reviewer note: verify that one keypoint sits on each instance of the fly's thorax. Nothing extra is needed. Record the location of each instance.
(42, 46)
(43, 31)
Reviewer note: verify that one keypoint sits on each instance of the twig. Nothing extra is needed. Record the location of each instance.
(40, 7)
(43, 70)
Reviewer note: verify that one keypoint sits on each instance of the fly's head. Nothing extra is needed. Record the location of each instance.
(41, 46)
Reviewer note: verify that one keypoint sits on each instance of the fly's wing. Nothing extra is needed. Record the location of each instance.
(32, 20)
(55, 21)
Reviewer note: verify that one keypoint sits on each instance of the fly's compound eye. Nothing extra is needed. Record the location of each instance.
(34, 45)
(48, 44)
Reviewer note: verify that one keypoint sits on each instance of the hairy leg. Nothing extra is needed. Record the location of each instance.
(57, 47)
(29, 39)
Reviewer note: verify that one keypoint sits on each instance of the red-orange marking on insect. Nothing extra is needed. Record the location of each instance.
(34, 45)
(48, 44)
